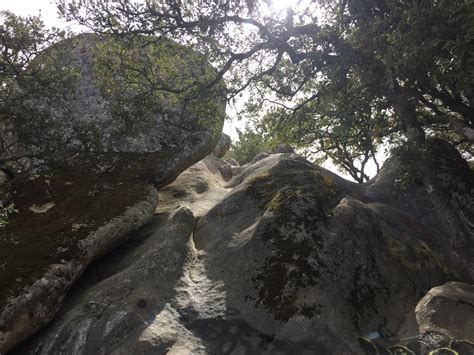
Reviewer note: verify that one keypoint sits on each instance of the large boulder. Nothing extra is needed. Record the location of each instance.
(448, 309)
(123, 305)
(148, 126)
(63, 222)
(222, 146)
(437, 189)
(286, 257)
(79, 161)
(449, 180)
(306, 263)
(125, 302)
(441, 323)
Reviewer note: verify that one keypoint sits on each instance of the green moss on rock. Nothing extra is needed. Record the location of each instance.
(55, 214)
(298, 200)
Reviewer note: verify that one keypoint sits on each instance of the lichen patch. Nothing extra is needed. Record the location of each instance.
(297, 200)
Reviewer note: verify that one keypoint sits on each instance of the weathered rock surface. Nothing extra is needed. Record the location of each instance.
(64, 222)
(441, 199)
(448, 309)
(116, 128)
(450, 182)
(3, 178)
(285, 258)
(80, 167)
(289, 241)
(222, 146)
(138, 301)
(443, 325)
(233, 162)
(283, 148)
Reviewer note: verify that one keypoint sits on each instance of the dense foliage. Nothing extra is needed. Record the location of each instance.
(339, 78)
(250, 143)
(342, 77)
(45, 74)
(24, 82)
(141, 78)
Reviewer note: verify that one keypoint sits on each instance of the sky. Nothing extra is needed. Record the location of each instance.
(47, 10)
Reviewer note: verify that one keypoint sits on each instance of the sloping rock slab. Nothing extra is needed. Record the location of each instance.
(122, 304)
(304, 262)
(126, 302)
(65, 221)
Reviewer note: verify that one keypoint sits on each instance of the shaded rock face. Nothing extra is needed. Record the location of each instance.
(77, 172)
(450, 182)
(282, 148)
(284, 258)
(443, 325)
(441, 199)
(448, 309)
(3, 178)
(222, 146)
(64, 222)
(112, 128)
(233, 162)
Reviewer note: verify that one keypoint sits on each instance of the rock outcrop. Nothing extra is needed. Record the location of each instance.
(441, 198)
(64, 222)
(78, 173)
(448, 309)
(282, 148)
(442, 323)
(222, 146)
(286, 257)
(233, 162)
(115, 126)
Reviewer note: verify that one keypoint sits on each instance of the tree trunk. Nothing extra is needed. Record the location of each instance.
(406, 111)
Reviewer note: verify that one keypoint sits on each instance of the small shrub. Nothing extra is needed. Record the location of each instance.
(5, 211)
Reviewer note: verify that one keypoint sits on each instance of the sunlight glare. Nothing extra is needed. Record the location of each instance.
(280, 5)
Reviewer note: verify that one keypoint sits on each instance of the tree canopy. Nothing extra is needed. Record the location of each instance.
(24, 82)
(341, 78)
(249, 144)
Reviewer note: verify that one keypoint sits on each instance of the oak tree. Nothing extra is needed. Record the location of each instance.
(342, 77)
